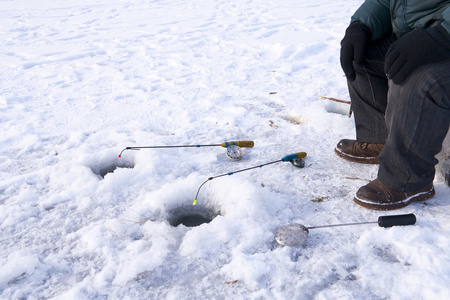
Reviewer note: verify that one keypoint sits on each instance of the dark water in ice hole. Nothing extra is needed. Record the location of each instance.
(191, 216)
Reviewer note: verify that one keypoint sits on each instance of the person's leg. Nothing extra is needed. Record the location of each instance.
(368, 94)
(417, 118)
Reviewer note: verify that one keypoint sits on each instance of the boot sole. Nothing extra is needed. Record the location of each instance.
(395, 205)
(358, 159)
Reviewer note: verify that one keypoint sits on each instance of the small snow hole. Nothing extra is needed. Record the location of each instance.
(111, 166)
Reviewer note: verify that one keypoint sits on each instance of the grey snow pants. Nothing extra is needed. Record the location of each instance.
(411, 119)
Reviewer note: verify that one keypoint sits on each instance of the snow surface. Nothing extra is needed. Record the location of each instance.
(81, 80)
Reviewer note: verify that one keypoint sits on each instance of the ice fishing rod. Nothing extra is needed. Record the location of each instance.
(296, 159)
(234, 150)
(295, 234)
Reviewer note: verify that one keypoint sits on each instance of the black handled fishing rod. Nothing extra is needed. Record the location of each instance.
(295, 233)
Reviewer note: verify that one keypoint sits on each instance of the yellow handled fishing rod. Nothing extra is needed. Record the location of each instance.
(233, 148)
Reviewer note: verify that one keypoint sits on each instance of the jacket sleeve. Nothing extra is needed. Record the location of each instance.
(376, 15)
(446, 18)
(442, 33)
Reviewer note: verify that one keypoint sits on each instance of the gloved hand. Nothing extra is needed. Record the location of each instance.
(353, 47)
(419, 47)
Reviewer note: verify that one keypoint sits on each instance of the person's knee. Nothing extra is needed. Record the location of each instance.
(428, 81)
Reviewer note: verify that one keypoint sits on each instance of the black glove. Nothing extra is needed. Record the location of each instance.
(417, 48)
(353, 47)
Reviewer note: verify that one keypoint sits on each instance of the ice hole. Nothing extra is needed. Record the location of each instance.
(105, 168)
(341, 109)
(191, 216)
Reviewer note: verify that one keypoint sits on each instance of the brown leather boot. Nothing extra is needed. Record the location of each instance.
(376, 195)
(366, 153)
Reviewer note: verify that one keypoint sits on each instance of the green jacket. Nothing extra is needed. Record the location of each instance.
(402, 16)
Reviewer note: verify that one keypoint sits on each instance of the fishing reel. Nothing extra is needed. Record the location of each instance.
(298, 162)
(234, 152)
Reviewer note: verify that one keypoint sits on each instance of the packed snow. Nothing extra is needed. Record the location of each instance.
(82, 80)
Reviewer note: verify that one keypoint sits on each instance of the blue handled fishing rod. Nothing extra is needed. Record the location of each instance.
(296, 159)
